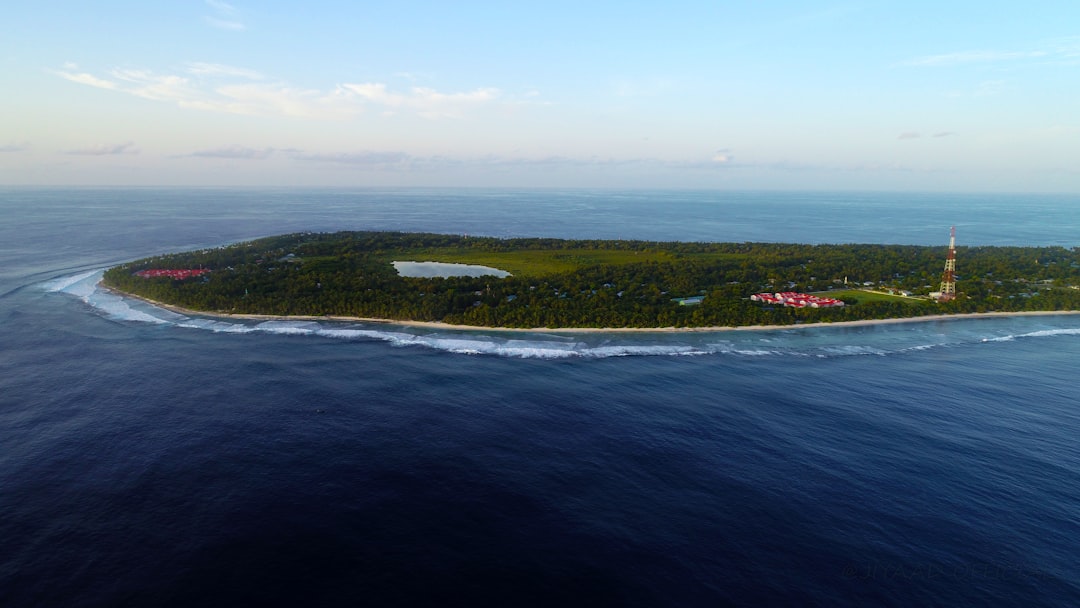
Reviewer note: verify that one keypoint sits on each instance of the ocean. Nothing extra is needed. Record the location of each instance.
(154, 459)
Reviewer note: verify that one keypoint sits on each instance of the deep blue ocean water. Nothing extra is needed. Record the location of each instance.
(152, 459)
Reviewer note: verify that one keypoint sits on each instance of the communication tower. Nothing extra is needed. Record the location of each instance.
(948, 278)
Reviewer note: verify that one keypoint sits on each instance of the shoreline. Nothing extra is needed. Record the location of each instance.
(580, 330)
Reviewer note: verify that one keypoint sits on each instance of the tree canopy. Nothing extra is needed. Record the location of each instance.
(594, 283)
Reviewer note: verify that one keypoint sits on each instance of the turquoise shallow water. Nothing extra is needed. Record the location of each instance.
(149, 458)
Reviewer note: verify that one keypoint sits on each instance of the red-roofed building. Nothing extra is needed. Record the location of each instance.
(796, 300)
(177, 274)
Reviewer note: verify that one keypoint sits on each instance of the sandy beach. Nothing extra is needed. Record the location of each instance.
(578, 330)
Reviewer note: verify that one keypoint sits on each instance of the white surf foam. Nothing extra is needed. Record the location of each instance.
(289, 327)
(85, 286)
(920, 347)
(853, 350)
(216, 326)
(73, 283)
(1042, 333)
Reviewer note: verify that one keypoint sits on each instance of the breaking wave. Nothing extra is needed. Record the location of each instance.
(85, 287)
(815, 342)
(1042, 333)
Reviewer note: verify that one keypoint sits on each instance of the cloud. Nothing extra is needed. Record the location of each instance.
(426, 102)
(986, 88)
(990, 88)
(15, 147)
(224, 17)
(106, 150)
(917, 135)
(221, 24)
(221, 7)
(244, 97)
(402, 161)
(219, 70)
(236, 90)
(368, 158)
(1066, 50)
(148, 85)
(84, 78)
(275, 100)
(406, 161)
(1057, 51)
(237, 152)
(969, 57)
(722, 157)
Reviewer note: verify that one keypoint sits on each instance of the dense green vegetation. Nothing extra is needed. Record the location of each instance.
(596, 283)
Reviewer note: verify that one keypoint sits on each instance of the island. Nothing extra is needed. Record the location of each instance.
(533, 283)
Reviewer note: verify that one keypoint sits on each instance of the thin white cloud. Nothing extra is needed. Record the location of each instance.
(224, 17)
(986, 88)
(970, 57)
(219, 70)
(84, 78)
(15, 147)
(222, 24)
(990, 88)
(721, 161)
(414, 76)
(403, 161)
(1067, 50)
(276, 100)
(235, 152)
(366, 158)
(918, 135)
(427, 102)
(106, 150)
(146, 84)
(372, 91)
(1057, 51)
(222, 88)
(221, 7)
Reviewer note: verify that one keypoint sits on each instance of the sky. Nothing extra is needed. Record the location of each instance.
(861, 95)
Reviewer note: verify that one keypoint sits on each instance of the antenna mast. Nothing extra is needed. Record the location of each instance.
(948, 278)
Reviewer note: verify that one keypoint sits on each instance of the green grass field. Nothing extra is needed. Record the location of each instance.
(867, 296)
